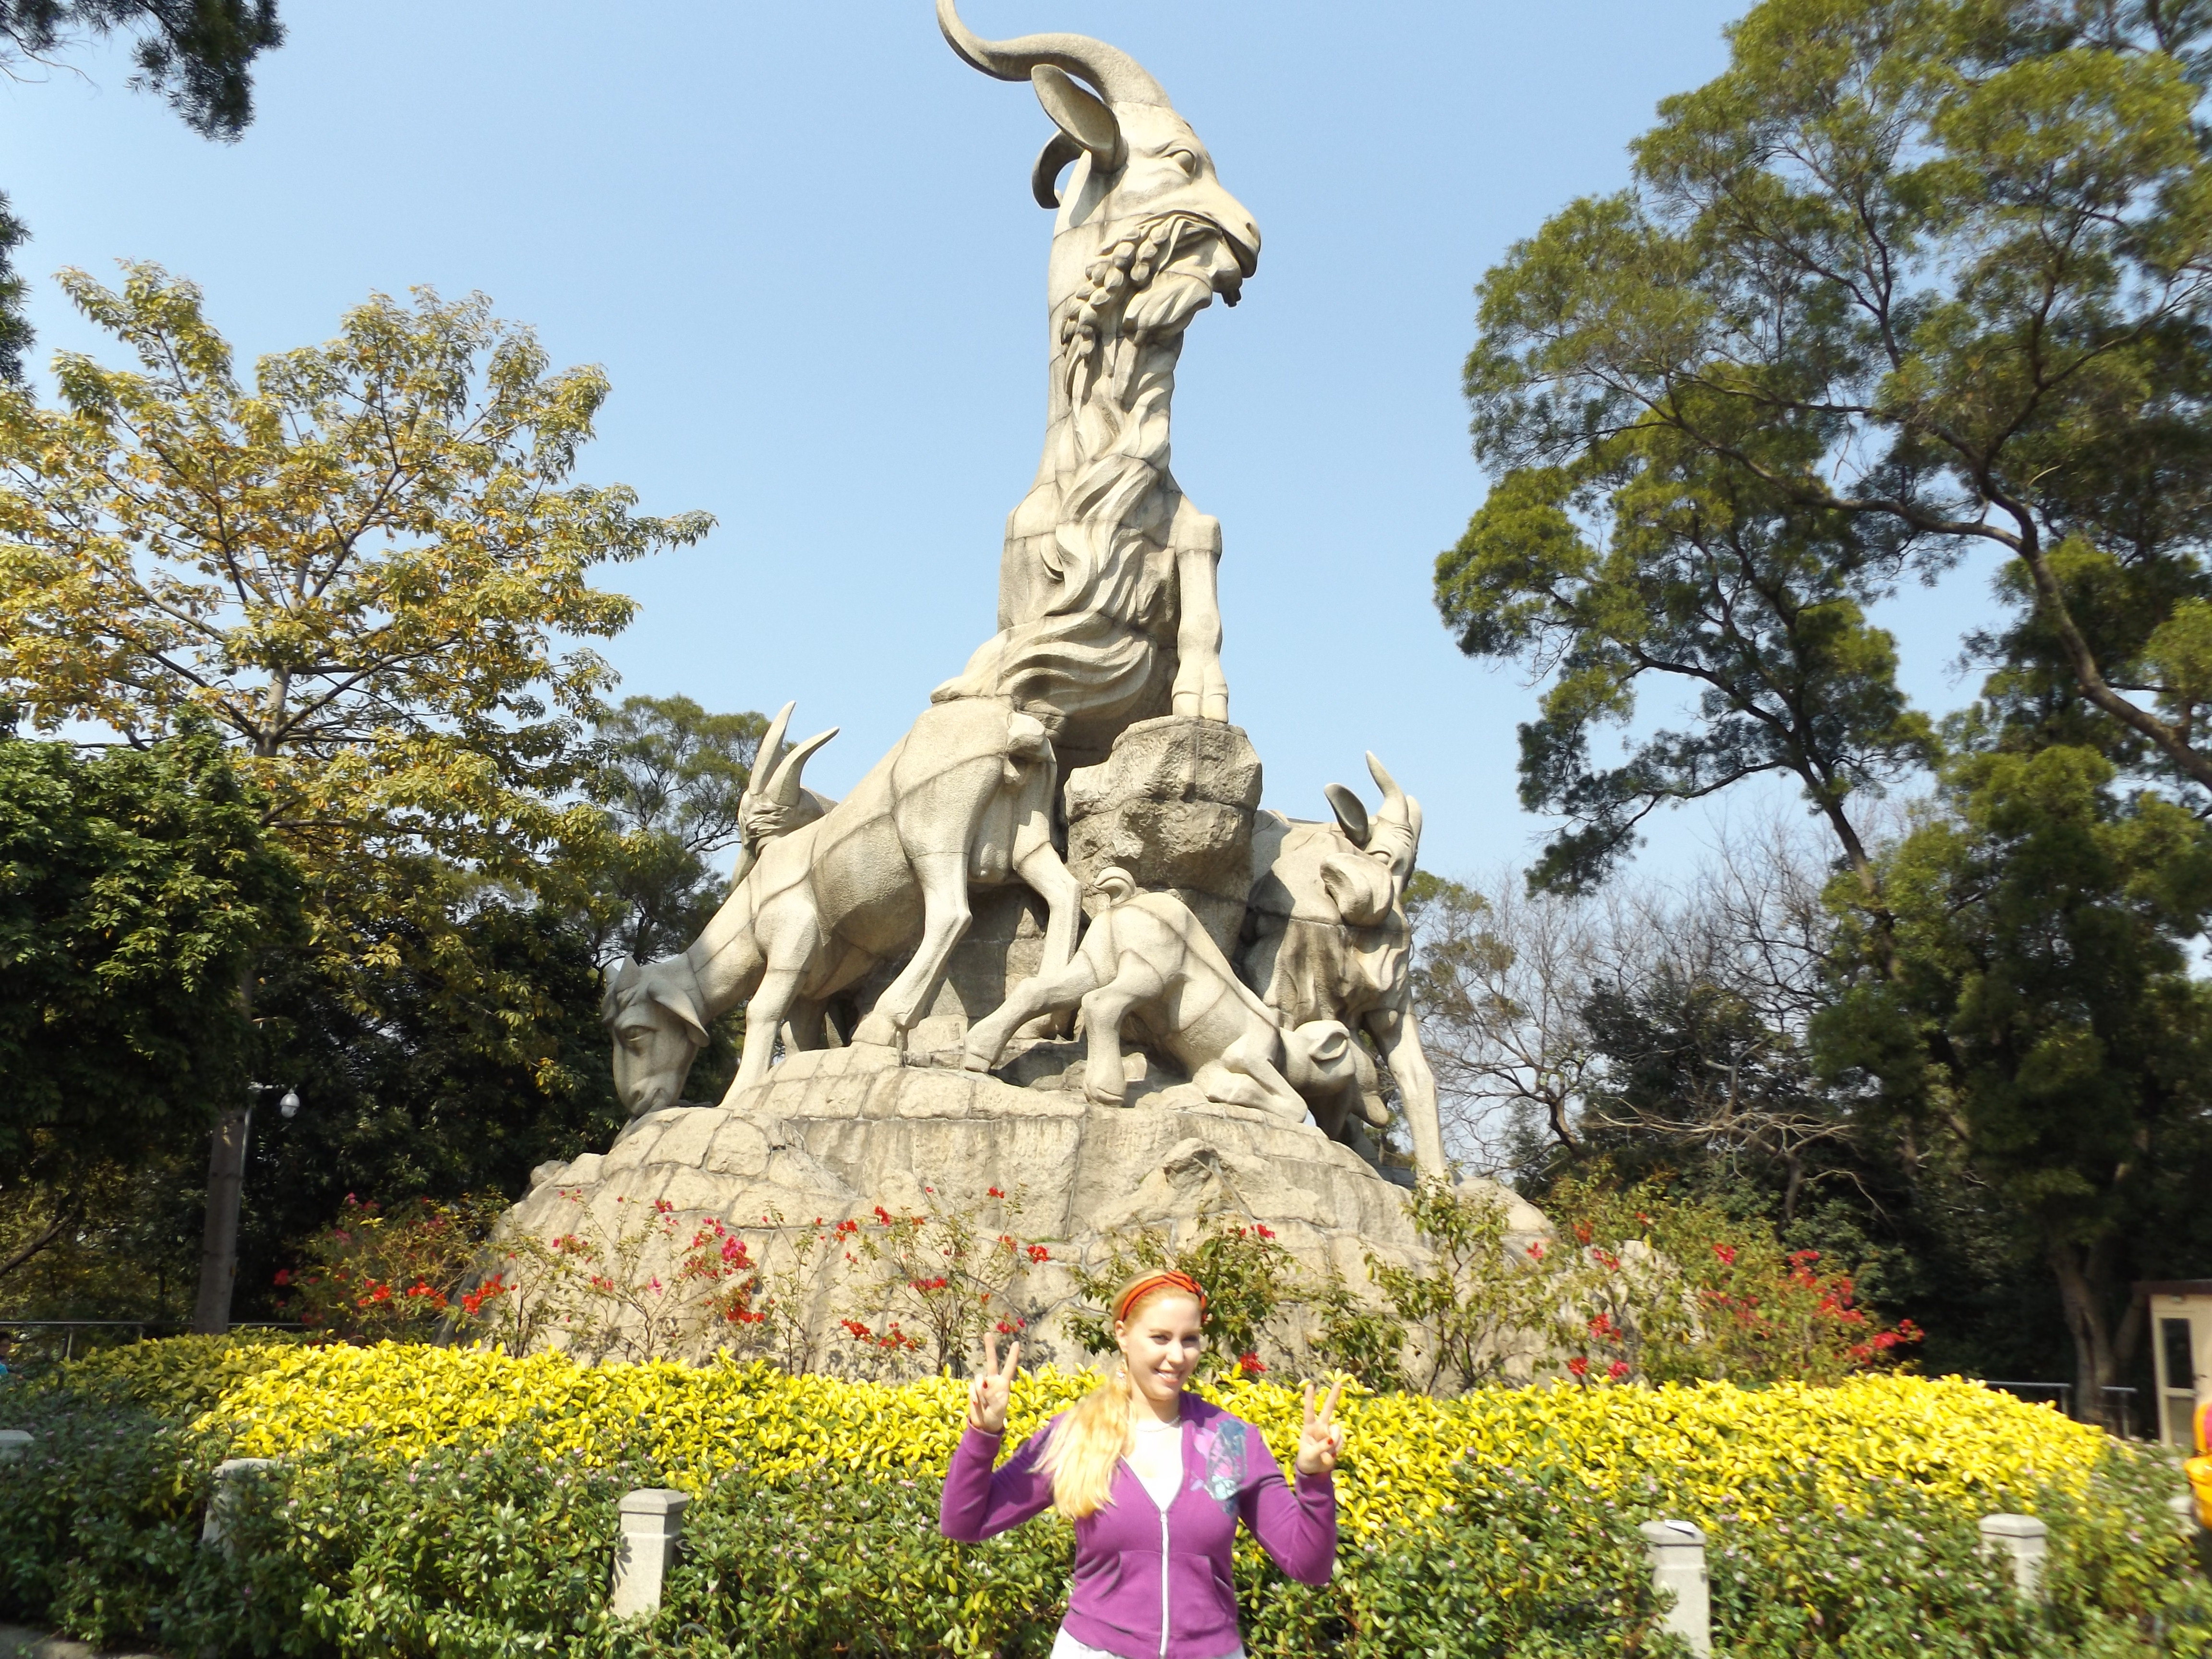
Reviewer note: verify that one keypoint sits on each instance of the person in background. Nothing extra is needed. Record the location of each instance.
(1155, 1479)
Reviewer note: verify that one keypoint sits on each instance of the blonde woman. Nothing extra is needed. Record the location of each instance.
(1155, 1480)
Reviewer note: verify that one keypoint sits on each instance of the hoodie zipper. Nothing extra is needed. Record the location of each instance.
(1164, 1575)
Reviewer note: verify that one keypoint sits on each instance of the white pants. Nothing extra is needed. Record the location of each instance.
(1065, 1646)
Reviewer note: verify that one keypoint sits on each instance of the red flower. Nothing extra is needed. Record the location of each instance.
(284, 1275)
(1250, 1365)
(1263, 1229)
(1579, 1367)
(992, 1192)
(1619, 1369)
(1726, 1253)
(1581, 1232)
(1536, 1251)
(1038, 1253)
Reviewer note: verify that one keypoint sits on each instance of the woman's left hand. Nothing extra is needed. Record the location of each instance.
(1322, 1443)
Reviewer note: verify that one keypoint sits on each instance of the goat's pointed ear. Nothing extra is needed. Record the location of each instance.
(681, 1003)
(1350, 812)
(1081, 116)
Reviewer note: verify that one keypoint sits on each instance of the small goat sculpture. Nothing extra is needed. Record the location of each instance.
(1147, 959)
(1326, 936)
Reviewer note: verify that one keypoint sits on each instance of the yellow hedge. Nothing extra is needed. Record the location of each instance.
(1713, 1447)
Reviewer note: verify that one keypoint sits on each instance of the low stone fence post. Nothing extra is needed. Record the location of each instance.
(223, 1500)
(2022, 1542)
(1677, 1549)
(14, 1443)
(652, 1532)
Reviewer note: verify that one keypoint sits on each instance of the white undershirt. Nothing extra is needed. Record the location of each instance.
(1155, 1457)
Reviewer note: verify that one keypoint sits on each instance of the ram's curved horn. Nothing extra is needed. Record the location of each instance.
(770, 751)
(1044, 178)
(1112, 71)
(783, 788)
(1396, 808)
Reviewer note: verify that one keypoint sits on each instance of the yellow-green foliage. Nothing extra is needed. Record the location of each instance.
(1716, 1448)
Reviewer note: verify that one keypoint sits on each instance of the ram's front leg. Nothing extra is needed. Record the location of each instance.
(1200, 691)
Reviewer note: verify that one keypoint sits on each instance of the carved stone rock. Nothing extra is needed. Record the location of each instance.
(1174, 806)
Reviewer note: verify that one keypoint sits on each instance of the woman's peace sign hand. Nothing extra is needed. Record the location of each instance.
(1322, 1443)
(993, 1384)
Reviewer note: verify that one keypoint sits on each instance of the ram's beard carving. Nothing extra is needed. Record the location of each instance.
(1093, 643)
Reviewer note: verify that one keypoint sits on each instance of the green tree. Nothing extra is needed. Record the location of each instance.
(135, 888)
(672, 776)
(1907, 278)
(196, 53)
(361, 570)
(1910, 277)
(2043, 924)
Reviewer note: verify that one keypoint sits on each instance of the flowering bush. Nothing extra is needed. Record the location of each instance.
(930, 1284)
(1669, 1289)
(371, 1275)
(461, 1502)
(1253, 1287)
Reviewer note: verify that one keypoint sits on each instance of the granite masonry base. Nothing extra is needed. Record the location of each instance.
(834, 1133)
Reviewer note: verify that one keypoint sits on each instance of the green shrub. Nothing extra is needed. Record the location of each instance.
(490, 1548)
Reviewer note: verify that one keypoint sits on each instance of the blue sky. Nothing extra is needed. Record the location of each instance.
(801, 242)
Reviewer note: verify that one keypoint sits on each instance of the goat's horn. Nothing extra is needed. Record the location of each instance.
(1396, 809)
(783, 788)
(1112, 71)
(1044, 178)
(770, 752)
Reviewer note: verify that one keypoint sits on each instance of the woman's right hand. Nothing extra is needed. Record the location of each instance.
(988, 1394)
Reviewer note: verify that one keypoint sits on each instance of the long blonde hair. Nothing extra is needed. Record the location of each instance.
(1098, 1430)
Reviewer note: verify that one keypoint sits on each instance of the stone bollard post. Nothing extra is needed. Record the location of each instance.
(1677, 1549)
(2023, 1541)
(216, 1529)
(652, 1532)
(14, 1443)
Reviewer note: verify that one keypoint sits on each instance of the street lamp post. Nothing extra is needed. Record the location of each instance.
(226, 1183)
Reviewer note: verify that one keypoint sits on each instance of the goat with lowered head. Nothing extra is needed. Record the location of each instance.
(1326, 936)
(965, 798)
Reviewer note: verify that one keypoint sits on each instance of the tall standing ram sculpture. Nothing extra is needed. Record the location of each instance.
(1108, 616)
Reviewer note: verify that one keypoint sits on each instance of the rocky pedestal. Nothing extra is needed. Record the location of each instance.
(835, 1133)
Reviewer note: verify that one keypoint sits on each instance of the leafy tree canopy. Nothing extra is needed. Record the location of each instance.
(1908, 278)
(363, 568)
(671, 776)
(136, 888)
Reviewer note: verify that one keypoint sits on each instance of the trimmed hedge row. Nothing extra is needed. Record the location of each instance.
(373, 1539)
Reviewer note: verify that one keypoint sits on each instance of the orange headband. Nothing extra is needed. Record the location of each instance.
(1166, 1278)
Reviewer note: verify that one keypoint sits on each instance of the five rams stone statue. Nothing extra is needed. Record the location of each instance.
(1107, 620)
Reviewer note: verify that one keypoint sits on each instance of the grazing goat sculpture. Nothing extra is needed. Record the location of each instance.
(965, 798)
(1107, 610)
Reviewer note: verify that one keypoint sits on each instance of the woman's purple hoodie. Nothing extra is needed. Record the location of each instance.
(1153, 1584)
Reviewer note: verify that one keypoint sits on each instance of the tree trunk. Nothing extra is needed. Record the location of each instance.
(2095, 1358)
(226, 1185)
